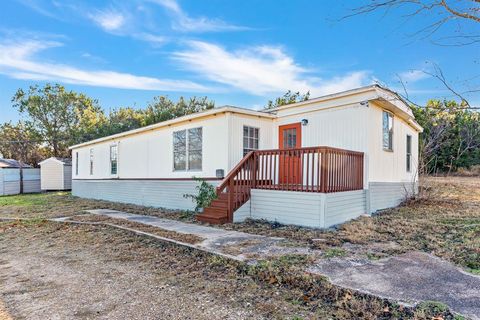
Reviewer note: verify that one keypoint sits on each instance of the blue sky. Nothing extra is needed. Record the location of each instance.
(241, 53)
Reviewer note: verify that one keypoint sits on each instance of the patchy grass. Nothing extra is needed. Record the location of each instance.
(445, 222)
(61, 204)
(182, 237)
(273, 289)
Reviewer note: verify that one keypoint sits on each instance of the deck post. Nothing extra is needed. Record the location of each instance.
(231, 195)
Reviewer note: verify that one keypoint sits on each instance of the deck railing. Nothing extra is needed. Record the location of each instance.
(312, 169)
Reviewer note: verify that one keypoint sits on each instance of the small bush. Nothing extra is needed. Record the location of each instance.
(206, 193)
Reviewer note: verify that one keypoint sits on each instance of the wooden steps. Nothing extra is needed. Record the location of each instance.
(217, 212)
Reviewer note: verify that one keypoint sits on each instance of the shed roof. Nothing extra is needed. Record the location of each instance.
(64, 161)
(11, 163)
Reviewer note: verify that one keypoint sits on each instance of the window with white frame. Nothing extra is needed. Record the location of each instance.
(113, 159)
(409, 153)
(187, 149)
(250, 139)
(387, 131)
(76, 163)
(91, 161)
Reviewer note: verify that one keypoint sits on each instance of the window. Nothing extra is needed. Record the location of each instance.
(409, 153)
(250, 139)
(290, 138)
(387, 131)
(76, 163)
(91, 161)
(113, 159)
(187, 149)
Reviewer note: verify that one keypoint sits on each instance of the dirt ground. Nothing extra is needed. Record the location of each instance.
(56, 271)
(59, 271)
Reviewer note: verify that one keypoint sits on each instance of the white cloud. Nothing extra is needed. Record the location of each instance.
(17, 61)
(261, 70)
(109, 20)
(411, 76)
(183, 22)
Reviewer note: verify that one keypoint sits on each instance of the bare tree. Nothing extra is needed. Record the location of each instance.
(444, 11)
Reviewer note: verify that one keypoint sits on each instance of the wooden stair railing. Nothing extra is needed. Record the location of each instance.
(311, 169)
(232, 193)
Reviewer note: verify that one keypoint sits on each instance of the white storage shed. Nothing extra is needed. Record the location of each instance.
(56, 174)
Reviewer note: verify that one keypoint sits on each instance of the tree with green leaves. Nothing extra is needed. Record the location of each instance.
(288, 98)
(163, 109)
(451, 136)
(56, 115)
(18, 141)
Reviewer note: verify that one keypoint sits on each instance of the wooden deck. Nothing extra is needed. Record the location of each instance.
(314, 169)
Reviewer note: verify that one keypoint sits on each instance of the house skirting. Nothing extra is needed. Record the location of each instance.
(383, 195)
(323, 210)
(309, 209)
(167, 194)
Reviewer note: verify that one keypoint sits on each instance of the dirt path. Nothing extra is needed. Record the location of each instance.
(84, 272)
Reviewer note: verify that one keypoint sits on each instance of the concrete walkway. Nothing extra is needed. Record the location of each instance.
(408, 278)
(236, 245)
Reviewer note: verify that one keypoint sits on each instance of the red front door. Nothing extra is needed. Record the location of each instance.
(290, 137)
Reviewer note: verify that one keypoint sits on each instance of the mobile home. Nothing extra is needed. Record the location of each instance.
(315, 163)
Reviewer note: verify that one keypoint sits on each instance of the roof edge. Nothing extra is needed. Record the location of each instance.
(189, 117)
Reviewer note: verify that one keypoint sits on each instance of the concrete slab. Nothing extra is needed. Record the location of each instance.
(244, 246)
(409, 278)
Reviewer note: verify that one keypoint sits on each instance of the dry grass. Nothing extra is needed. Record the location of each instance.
(445, 222)
(182, 237)
(276, 289)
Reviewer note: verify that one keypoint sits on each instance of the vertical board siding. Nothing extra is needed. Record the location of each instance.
(390, 166)
(11, 181)
(389, 194)
(150, 154)
(344, 206)
(162, 194)
(51, 175)
(31, 180)
(67, 177)
(265, 132)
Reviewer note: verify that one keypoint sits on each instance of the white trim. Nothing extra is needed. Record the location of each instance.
(189, 117)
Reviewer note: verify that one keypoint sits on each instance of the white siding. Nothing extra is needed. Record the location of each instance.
(236, 123)
(51, 175)
(315, 210)
(389, 194)
(150, 154)
(287, 207)
(339, 127)
(243, 213)
(163, 194)
(343, 206)
(390, 166)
